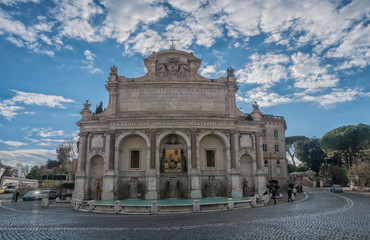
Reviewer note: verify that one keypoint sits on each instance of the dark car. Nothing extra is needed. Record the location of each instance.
(50, 194)
(31, 195)
(299, 188)
(336, 188)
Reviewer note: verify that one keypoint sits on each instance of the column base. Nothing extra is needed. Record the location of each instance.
(236, 193)
(107, 196)
(151, 195)
(194, 194)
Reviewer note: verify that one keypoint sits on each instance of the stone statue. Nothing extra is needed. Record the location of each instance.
(212, 187)
(245, 187)
(230, 72)
(99, 188)
(255, 105)
(161, 70)
(87, 105)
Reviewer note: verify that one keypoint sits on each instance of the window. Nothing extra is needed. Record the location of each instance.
(264, 146)
(278, 172)
(276, 134)
(266, 171)
(264, 133)
(210, 155)
(135, 158)
(276, 148)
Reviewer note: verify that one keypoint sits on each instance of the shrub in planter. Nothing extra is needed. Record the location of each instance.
(290, 185)
(68, 185)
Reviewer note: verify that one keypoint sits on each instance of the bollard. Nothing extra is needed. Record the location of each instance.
(91, 205)
(254, 203)
(196, 207)
(230, 203)
(116, 206)
(45, 202)
(154, 208)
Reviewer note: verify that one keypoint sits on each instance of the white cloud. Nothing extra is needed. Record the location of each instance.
(335, 96)
(145, 42)
(29, 156)
(264, 97)
(89, 55)
(14, 2)
(9, 108)
(264, 69)
(40, 99)
(123, 17)
(308, 73)
(208, 69)
(75, 19)
(13, 143)
(46, 132)
(89, 62)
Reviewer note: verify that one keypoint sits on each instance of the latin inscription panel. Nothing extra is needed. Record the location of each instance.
(172, 99)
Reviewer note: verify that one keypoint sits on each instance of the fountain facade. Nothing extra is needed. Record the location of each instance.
(173, 133)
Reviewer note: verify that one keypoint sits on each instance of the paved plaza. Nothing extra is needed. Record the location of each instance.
(317, 214)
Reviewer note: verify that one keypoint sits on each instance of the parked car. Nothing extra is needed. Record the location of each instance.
(336, 188)
(299, 188)
(9, 190)
(50, 194)
(31, 195)
(1, 190)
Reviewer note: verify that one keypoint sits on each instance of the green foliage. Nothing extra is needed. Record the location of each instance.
(277, 186)
(99, 108)
(302, 168)
(52, 163)
(291, 143)
(338, 175)
(63, 153)
(35, 173)
(290, 185)
(291, 168)
(309, 152)
(348, 140)
(9, 171)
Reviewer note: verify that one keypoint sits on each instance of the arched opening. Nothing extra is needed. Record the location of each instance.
(213, 163)
(173, 167)
(132, 165)
(96, 177)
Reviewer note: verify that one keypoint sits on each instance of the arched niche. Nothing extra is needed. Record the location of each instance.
(132, 154)
(173, 154)
(212, 153)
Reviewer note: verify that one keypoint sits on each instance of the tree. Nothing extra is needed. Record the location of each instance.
(35, 173)
(99, 108)
(338, 175)
(309, 152)
(348, 140)
(291, 168)
(9, 171)
(291, 143)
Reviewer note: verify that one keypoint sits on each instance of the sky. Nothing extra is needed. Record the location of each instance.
(305, 60)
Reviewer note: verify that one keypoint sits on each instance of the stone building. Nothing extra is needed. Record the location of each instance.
(175, 134)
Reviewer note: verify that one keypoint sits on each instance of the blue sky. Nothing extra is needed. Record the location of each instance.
(305, 60)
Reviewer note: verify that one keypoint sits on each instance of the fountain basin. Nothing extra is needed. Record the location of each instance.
(164, 206)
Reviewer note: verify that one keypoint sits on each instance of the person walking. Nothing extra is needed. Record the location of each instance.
(15, 196)
(290, 195)
(273, 195)
(294, 190)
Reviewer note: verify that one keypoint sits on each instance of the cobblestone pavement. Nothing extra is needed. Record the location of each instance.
(317, 214)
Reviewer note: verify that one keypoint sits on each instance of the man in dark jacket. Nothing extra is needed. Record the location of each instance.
(273, 193)
(290, 195)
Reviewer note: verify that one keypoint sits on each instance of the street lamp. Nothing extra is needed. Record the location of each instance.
(271, 170)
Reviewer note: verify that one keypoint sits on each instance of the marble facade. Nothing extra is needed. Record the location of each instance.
(175, 134)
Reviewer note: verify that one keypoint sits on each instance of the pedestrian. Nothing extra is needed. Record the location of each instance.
(273, 194)
(264, 192)
(257, 197)
(15, 196)
(290, 195)
(294, 190)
